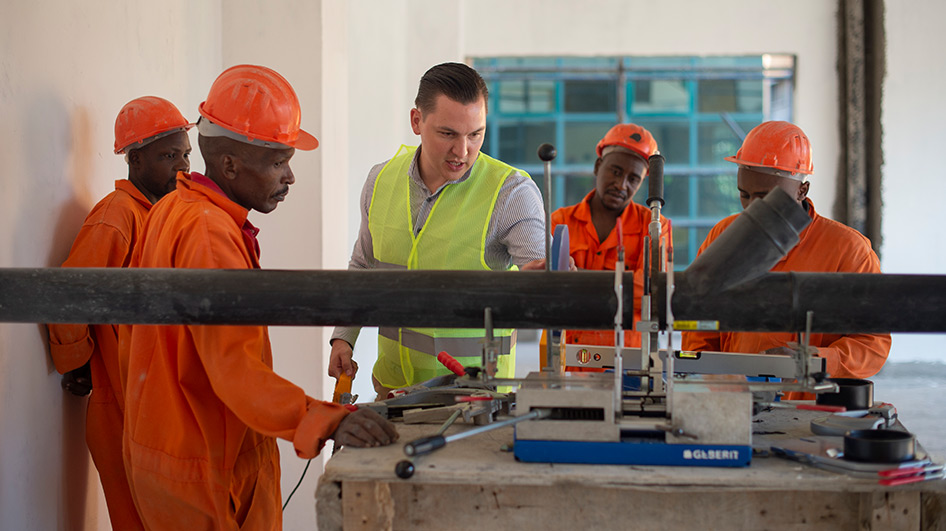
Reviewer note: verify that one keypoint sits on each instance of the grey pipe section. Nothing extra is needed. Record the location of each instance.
(749, 247)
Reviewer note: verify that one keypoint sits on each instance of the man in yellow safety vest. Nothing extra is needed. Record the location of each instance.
(442, 205)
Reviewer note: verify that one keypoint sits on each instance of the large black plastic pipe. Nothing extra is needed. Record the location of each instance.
(523, 299)
(841, 302)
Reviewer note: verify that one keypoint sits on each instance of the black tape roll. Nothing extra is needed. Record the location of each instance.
(853, 393)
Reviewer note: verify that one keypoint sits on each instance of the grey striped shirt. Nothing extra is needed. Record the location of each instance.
(516, 233)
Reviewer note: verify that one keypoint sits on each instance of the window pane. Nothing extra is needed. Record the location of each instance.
(576, 188)
(717, 140)
(701, 234)
(581, 138)
(673, 139)
(681, 245)
(591, 96)
(676, 196)
(524, 96)
(718, 196)
(660, 96)
(730, 95)
(518, 142)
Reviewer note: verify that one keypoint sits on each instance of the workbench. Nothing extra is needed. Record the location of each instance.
(475, 483)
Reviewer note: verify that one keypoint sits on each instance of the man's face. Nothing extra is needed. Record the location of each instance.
(617, 177)
(451, 136)
(156, 164)
(755, 185)
(261, 177)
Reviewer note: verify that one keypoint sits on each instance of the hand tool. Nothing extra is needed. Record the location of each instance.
(425, 445)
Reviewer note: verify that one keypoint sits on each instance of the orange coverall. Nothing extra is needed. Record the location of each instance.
(105, 240)
(590, 253)
(203, 405)
(825, 246)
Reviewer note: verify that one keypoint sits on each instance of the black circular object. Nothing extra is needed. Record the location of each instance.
(879, 446)
(404, 469)
(547, 152)
(853, 393)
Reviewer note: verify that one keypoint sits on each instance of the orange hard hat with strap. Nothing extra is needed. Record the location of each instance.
(629, 136)
(259, 105)
(777, 146)
(144, 119)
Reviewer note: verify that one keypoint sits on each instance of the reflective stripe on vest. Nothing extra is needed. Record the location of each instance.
(447, 241)
(455, 346)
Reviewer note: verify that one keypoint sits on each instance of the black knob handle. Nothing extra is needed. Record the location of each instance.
(655, 176)
(547, 152)
(424, 445)
(404, 469)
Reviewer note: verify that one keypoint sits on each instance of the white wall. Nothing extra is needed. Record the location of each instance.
(914, 182)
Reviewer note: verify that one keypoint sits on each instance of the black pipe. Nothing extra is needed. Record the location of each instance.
(523, 299)
(842, 303)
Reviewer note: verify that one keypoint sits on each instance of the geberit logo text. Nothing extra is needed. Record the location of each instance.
(713, 455)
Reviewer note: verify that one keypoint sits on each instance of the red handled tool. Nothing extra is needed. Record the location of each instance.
(451, 363)
(809, 407)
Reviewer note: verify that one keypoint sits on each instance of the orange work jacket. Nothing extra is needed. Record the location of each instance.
(825, 246)
(106, 239)
(591, 253)
(203, 404)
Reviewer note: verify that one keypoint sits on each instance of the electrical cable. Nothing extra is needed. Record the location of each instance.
(304, 470)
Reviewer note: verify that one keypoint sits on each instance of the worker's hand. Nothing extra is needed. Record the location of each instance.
(538, 265)
(340, 361)
(363, 428)
(78, 381)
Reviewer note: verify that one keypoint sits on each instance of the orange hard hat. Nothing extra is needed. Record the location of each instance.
(258, 104)
(144, 118)
(776, 145)
(629, 136)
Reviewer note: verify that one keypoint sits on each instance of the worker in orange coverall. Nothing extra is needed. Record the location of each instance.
(203, 404)
(778, 154)
(592, 224)
(152, 135)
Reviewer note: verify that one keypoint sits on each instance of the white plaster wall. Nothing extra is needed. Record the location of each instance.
(914, 181)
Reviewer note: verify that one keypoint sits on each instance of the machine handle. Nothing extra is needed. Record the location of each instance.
(655, 177)
(424, 445)
(451, 363)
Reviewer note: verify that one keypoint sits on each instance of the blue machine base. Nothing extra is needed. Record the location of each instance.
(635, 452)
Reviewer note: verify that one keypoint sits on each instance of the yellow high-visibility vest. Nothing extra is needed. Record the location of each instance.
(453, 238)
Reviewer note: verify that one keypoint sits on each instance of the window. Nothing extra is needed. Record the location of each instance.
(698, 109)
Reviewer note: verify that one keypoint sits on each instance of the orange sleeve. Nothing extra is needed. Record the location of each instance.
(237, 361)
(701, 341)
(856, 355)
(97, 245)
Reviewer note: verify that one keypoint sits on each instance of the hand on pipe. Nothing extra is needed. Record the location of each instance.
(364, 428)
(340, 360)
(539, 265)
